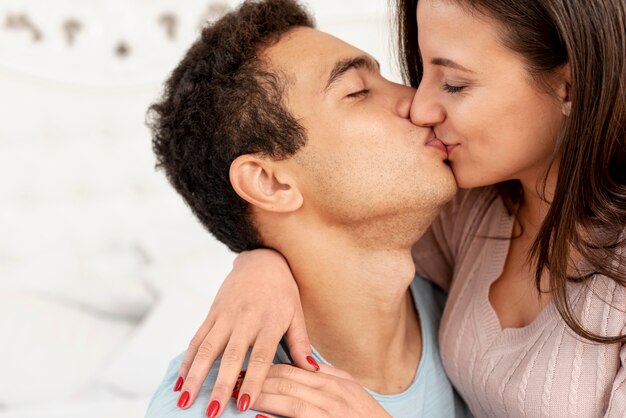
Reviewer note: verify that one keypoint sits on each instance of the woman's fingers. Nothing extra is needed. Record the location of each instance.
(315, 396)
(229, 373)
(194, 346)
(206, 354)
(242, 311)
(304, 377)
(261, 357)
(288, 406)
(330, 370)
(298, 342)
(299, 393)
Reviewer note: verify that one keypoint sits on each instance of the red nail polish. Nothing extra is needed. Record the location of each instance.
(235, 394)
(260, 416)
(184, 398)
(238, 384)
(244, 403)
(213, 409)
(313, 363)
(179, 384)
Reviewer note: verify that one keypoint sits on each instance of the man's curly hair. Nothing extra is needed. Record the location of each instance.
(221, 102)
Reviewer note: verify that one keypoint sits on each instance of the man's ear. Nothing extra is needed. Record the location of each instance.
(264, 184)
(564, 84)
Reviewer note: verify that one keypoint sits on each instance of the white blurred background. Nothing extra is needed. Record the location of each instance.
(104, 273)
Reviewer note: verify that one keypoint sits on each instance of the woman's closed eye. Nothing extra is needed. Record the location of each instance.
(449, 88)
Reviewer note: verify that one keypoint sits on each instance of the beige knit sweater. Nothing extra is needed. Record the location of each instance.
(541, 370)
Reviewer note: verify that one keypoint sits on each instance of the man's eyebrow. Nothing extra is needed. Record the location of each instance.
(445, 62)
(345, 65)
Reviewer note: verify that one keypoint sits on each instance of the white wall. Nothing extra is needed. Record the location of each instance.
(97, 252)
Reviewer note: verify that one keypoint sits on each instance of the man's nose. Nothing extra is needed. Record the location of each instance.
(425, 111)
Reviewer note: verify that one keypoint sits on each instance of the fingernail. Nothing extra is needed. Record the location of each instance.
(313, 363)
(213, 409)
(179, 384)
(184, 398)
(235, 394)
(244, 403)
(261, 416)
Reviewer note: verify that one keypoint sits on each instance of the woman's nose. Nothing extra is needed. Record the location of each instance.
(425, 111)
(405, 98)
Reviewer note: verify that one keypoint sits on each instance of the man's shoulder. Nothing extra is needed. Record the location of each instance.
(164, 401)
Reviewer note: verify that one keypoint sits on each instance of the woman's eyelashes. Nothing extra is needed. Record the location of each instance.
(449, 88)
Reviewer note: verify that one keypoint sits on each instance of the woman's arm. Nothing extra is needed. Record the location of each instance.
(256, 305)
(259, 302)
(617, 402)
(292, 392)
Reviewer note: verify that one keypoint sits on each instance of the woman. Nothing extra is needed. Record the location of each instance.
(530, 99)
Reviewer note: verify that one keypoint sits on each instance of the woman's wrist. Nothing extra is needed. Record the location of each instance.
(263, 255)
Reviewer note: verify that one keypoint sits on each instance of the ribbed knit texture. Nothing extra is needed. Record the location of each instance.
(541, 370)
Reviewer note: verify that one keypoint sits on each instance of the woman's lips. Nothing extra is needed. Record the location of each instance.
(450, 148)
(436, 143)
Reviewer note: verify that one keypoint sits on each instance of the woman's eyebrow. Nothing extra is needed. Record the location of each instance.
(344, 65)
(445, 62)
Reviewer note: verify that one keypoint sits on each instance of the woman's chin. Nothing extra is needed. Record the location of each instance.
(467, 178)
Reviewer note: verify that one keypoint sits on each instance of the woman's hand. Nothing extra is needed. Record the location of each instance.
(256, 305)
(292, 392)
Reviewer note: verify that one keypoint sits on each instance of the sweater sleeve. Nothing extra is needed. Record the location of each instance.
(435, 254)
(617, 402)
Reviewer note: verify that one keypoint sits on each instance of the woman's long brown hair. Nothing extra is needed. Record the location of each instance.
(587, 214)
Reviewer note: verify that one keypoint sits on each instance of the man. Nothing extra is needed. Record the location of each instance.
(281, 136)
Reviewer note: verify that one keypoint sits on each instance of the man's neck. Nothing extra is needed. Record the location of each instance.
(359, 312)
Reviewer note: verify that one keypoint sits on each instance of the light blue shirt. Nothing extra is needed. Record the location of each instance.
(430, 395)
